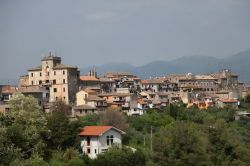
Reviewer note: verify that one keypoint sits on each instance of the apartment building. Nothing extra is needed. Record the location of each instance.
(59, 79)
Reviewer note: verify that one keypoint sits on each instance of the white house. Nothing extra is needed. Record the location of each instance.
(97, 139)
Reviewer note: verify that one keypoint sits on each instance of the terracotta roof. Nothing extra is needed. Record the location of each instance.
(152, 81)
(140, 101)
(115, 94)
(84, 107)
(104, 79)
(94, 98)
(38, 68)
(228, 100)
(97, 130)
(62, 66)
(88, 78)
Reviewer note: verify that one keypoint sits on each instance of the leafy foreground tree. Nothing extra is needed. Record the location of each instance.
(22, 132)
(181, 144)
(67, 158)
(114, 118)
(63, 132)
(119, 157)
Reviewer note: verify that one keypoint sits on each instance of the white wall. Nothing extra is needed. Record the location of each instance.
(99, 143)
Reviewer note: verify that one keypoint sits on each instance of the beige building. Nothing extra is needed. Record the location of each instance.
(61, 80)
(89, 97)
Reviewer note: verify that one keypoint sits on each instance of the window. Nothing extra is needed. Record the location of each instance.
(56, 98)
(40, 82)
(47, 73)
(55, 89)
(80, 111)
(54, 72)
(32, 82)
(32, 74)
(110, 140)
(54, 81)
(47, 81)
(63, 72)
(107, 140)
(64, 81)
(88, 141)
(95, 151)
(63, 89)
(40, 74)
(64, 98)
(88, 151)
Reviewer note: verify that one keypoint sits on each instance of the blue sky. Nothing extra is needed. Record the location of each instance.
(94, 32)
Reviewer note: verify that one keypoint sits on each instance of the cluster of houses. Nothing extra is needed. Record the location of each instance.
(121, 91)
(53, 81)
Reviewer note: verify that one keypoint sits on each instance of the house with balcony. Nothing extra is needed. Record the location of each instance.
(97, 139)
(120, 101)
(88, 99)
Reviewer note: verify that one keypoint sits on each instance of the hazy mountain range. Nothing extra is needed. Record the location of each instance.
(238, 63)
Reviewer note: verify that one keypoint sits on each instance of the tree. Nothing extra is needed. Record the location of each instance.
(181, 144)
(63, 132)
(69, 154)
(114, 118)
(61, 106)
(119, 157)
(247, 98)
(23, 130)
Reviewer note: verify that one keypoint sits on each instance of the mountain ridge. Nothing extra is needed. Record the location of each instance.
(239, 63)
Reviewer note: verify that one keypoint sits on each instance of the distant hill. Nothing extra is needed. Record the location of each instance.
(238, 63)
(108, 67)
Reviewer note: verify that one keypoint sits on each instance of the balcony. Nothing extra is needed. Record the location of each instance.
(104, 104)
(119, 100)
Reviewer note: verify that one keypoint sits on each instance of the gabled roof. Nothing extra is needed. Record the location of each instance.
(88, 78)
(94, 98)
(38, 68)
(97, 130)
(63, 66)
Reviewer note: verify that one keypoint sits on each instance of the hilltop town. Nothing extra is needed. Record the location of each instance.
(57, 116)
(122, 91)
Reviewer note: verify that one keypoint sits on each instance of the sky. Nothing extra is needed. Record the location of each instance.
(94, 32)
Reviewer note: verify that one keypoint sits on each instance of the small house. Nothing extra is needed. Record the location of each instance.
(97, 139)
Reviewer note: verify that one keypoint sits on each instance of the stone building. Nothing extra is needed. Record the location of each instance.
(59, 79)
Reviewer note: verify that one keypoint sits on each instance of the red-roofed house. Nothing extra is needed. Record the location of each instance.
(231, 103)
(97, 139)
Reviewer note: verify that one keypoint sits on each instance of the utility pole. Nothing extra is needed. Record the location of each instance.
(144, 141)
(151, 140)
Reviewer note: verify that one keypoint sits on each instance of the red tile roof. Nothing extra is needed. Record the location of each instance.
(97, 130)
(94, 130)
(88, 78)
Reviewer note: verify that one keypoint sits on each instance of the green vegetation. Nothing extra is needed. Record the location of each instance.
(180, 136)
